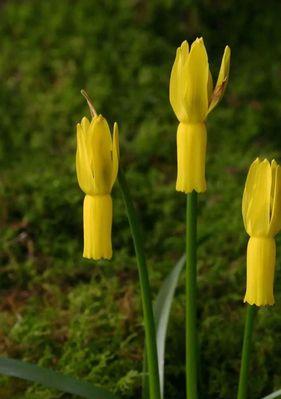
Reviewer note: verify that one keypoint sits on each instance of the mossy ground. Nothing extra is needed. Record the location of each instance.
(84, 318)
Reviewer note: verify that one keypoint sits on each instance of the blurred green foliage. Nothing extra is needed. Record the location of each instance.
(84, 318)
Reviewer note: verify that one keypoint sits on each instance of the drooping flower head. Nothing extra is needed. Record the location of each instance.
(261, 210)
(97, 160)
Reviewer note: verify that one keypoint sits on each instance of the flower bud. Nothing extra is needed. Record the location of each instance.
(97, 161)
(261, 209)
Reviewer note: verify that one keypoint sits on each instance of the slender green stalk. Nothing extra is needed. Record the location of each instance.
(191, 293)
(149, 324)
(245, 361)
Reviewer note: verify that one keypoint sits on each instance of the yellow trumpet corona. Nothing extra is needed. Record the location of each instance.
(193, 97)
(97, 160)
(261, 209)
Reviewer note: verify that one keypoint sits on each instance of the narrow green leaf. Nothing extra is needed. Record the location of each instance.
(146, 297)
(276, 394)
(51, 379)
(162, 309)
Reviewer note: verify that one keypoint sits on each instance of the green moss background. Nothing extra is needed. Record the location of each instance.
(82, 317)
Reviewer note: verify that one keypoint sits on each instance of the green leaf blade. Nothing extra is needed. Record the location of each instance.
(162, 308)
(162, 311)
(52, 379)
(273, 395)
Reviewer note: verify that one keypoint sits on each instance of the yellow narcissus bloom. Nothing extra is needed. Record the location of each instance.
(261, 209)
(97, 161)
(193, 97)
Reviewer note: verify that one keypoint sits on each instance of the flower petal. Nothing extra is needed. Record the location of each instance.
(256, 199)
(250, 180)
(115, 154)
(275, 222)
(83, 168)
(85, 124)
(222, 79)
(210, 86)
(178, 82)
(261, 258)
(102, 161)
(197, 75)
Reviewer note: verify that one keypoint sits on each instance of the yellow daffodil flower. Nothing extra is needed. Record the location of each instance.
(261, 209)
(97, 161)
(193, 97)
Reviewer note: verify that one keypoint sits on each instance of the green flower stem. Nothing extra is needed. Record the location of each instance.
(191, 293)
(245, 361)
(149, 324)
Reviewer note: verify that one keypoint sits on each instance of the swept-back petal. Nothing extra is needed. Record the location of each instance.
(115, 153)
(210, 86)
(184, 48)
(222, 79)
(102, 161)
(88, 133)
(85, 123)
(275, 222)
(83, 168)
(247, 195)
(178, 82)
(257, 210)
(197, 75)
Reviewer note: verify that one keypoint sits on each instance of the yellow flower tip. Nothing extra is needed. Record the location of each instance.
(227, 51)
(181, 189)
(97, 118)
(100, 126)
(85, 120)
(198, 43)
(85, 123)
(95, 257)
(252, 302)
(259, 303)
(184, 47)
